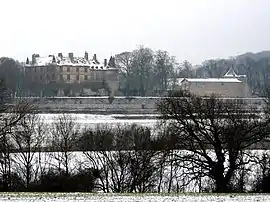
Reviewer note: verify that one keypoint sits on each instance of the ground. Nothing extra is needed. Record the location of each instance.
(61, 197)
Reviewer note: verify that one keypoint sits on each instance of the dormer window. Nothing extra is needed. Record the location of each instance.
(92, 67)
(96, 67)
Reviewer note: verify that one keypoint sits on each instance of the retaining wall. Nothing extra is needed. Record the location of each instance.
(106, 105)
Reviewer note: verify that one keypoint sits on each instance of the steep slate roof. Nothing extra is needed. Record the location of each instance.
(209, 80)
(229, 77)
(231, 73)
(66, 61)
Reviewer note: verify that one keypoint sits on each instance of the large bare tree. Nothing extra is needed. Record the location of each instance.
(122, 158)
(28, 140)
(124, 63)
(11, 113)
(64, 134)
(213, 134)
(164, 65)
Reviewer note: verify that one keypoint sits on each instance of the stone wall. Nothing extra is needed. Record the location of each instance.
(106, 105)
(222, 89)
(100, 105)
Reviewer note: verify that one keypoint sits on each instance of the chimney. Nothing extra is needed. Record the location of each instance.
(70, 55)
(60, 55)
(53, 59)
(86, 55)
(95, 57)
(105, 62)
(33, 59)
(27, 61)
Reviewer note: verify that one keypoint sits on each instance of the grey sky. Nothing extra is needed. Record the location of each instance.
(192, 29)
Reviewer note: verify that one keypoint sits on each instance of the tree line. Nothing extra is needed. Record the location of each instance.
(145, 72)
(203, 145)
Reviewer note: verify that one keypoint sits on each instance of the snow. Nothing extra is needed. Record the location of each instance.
(66, 61)
(61, 197)
(95, 119)
(216, 80)
(231, 73)
(102, 97)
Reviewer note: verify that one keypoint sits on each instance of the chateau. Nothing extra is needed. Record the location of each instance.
(57, 69)
(230, 85)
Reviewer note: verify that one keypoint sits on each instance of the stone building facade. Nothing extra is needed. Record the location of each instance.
(57, 69)
(230, 85)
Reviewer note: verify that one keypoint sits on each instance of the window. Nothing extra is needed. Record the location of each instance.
(68, 69)
(61, 77)
(41, 78)
(77, 77)
(61, 69)
(41, 69)
(77, 69)
(92, 75)
(85, 77)
(53, 77)
(68, 77)
(85, 69)
(35, 69)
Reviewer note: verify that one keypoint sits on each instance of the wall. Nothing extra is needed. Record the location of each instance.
(229, 89)
(106, 105)
(100, 105)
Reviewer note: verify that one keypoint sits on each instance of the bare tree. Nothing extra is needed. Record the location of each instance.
(142, 63)
(96, 145)
(163, 69)
(64, 134)
(28, 138)
(6, 159)
(11, 113)
(126, 163)
(215, 134)
(185, 70)
(124, 63)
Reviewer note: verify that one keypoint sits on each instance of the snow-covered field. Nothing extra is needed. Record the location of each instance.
(94, 119)
(61, 197)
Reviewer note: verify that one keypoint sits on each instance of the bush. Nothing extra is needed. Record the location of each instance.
(55, 181)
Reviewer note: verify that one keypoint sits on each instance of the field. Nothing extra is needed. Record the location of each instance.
(61, 197)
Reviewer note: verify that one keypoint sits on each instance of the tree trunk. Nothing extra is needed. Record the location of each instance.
(221, 186)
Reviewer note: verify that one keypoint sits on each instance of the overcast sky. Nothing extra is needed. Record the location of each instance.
(194, 30)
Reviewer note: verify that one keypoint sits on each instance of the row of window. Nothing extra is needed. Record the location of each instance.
(77, 77)
(78, 69)
(47, 77)
(48, 69)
